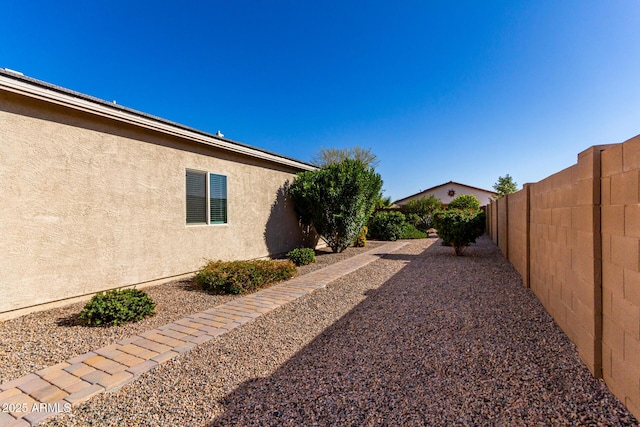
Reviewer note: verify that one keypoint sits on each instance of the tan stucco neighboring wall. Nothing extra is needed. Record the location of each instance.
(442, 193)
(89, 204)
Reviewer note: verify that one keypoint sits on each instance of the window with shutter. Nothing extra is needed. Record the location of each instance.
(206, 198)
(218, 199)
(196, 197)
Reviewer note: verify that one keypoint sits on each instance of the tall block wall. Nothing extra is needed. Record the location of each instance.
(503, 225)
(621, 271)
(575, 239)
(518, 232)
(492, 215)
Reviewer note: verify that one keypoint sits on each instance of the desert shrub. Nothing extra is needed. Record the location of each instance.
(465, 201)
(411, 232)
(459, 227)
(302, 256)
(387, 225)
(361, 239)
(413, 219)
(237, 277)
(117, 307)
(337, 200)
(419, 212)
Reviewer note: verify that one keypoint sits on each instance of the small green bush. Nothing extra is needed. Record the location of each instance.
(117, 306)
(411, 232)
(361, 240)
(459, 227)
(237, 277)
(387, 225)
(302, 256)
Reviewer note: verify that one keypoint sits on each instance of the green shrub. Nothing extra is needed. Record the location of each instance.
(411, 232)
(465, 201)
(459, 227)
(361, 240)
(116, 307)
(419, 212)
(302, 256)
(237, 277)
(337, 200)
(387, 225)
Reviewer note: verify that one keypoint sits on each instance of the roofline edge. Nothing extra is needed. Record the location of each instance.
(40, 90)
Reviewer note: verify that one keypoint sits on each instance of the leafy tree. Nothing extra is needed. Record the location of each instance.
(461, 223)
(419, 212)
(465, 201)
(505, 185)
(459, 227)
(337, 200)
(327, 156)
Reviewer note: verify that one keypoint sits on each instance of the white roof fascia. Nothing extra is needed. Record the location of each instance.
(33, 91)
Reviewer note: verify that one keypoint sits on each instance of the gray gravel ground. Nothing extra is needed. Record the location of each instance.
(420, 337)
(38, 340)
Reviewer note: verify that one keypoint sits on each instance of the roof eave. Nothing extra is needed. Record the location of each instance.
(43, 91)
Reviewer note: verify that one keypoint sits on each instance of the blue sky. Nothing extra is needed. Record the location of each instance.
(439, 90)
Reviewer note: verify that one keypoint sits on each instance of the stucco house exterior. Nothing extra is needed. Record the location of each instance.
(96, 196)
(450, 190)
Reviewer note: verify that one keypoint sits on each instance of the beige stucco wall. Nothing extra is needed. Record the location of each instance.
(442, 193)
(88, 204)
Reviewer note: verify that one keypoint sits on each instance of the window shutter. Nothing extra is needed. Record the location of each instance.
(196, 197)
(218, 198)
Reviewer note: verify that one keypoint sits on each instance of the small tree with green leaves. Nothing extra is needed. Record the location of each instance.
(419, 212)
(504, 186)
(337, 200)
(459, 227)
(461, 223)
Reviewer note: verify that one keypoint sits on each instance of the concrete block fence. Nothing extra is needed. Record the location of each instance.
(575, 239)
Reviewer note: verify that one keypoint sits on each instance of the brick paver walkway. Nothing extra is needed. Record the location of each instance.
(31, 399)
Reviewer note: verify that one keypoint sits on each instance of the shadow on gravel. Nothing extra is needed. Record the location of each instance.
(71, 320)
(446, 340)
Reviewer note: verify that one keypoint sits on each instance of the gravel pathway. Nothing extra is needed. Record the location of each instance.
(38, 340)
(420, 337)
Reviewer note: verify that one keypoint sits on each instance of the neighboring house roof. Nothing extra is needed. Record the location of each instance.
(18, 83)
(435, 189)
